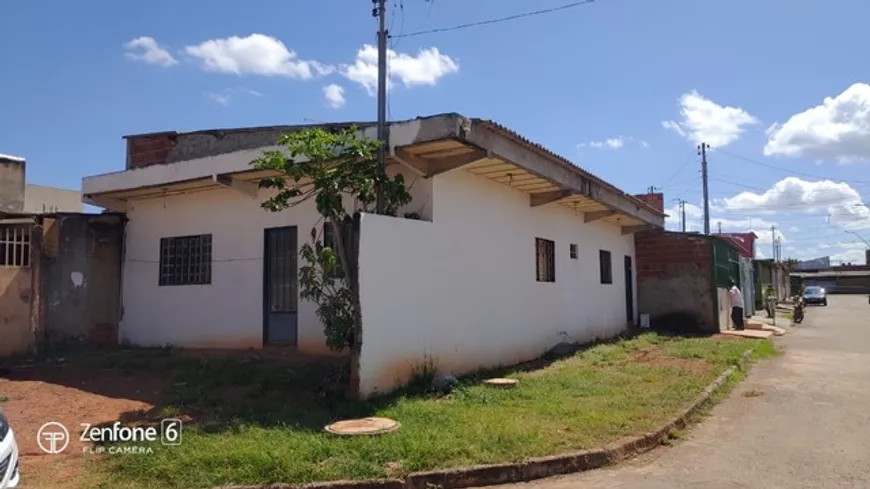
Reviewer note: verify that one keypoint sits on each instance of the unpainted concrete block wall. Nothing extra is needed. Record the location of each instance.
(81, 283)
(12, 174)
(674, 281)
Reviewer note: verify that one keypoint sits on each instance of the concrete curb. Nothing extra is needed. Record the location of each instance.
(531, 469)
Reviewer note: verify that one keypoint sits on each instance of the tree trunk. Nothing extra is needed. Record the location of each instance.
(348, 252)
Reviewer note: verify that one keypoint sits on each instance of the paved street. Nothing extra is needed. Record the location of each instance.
(809, 429)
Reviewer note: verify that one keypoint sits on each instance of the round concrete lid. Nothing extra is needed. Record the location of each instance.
(501, 382)
(364, 426)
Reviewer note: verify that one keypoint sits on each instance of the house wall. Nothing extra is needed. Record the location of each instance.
(81, 274)
(763, 278)
(674, 277)
(41, 199)
(228, 313)
(12, 184)
(461, 291)
(15, 295)
(723, 309)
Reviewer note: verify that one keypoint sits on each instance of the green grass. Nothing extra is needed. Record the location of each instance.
(595, 397)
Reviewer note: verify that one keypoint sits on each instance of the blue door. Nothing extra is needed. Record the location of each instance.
(280, 291)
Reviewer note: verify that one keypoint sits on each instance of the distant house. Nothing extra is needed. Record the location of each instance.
(17, 196)
(771, 272)
(515, 249)
(42, 199)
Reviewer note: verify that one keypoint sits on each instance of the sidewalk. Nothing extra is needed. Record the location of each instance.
(781, 319)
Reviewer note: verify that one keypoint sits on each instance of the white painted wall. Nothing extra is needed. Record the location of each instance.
(228, 312)
(461, 290)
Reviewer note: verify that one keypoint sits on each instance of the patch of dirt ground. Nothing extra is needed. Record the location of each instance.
(36, 394)
(658, 358)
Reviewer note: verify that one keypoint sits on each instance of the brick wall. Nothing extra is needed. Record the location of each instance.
(149, 150)
(656, 252)
(674, 281)
(655, 200)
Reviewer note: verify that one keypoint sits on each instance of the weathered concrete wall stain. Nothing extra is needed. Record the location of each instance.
(15, 295)
(81, 285)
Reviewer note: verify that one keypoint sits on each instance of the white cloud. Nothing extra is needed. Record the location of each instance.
(220, 98)
(147, 50)
(706, 121)
(426, 68)
(256, 54)
(838, 129)
(842, 203)
(225, 96)
(616, 142)
(334, 95)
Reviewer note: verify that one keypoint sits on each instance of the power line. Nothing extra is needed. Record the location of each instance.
(679, 170)
(786, 170)
(496, 20)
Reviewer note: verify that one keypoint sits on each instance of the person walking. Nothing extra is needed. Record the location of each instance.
(736, 306)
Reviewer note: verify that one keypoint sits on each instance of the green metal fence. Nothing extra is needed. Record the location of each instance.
(726, 263)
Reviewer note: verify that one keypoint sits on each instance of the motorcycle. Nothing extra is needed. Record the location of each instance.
(798, 315)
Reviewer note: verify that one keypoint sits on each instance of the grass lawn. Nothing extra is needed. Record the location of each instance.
(597, 396)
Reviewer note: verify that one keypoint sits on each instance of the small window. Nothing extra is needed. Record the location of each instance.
(545, 252)
(15, 245)
(604, 261)
(573, 249)
(185, 260)
(329, 242)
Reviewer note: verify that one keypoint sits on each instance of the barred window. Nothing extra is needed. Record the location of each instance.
(545, 252)
(185, 260)
(606, 266)
(15, 245)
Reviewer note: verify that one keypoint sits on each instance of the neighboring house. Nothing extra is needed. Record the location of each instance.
(59, 279)
(42, 199)
(835, 282)
(683, 280)
(770, 272)
(18, 197)
(516, 250)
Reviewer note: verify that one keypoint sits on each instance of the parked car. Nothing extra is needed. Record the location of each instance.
(9, 476)
(815, 295)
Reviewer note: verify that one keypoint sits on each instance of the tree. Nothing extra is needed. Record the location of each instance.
(331, 168)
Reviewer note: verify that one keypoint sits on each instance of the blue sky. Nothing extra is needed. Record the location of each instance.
(625, 88)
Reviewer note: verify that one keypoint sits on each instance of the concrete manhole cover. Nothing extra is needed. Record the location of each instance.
(364, 426)
(503, 383)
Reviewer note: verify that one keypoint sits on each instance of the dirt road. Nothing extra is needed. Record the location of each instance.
(799, 421)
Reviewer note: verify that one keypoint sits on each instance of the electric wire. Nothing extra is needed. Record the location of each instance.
(496, 20)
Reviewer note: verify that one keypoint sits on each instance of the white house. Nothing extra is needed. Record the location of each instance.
(517, 249)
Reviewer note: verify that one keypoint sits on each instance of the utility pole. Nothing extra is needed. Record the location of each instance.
(720, 227)
(683, 213)
(702, 150)
(380, 11)
(773, 240)
(652, 189)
